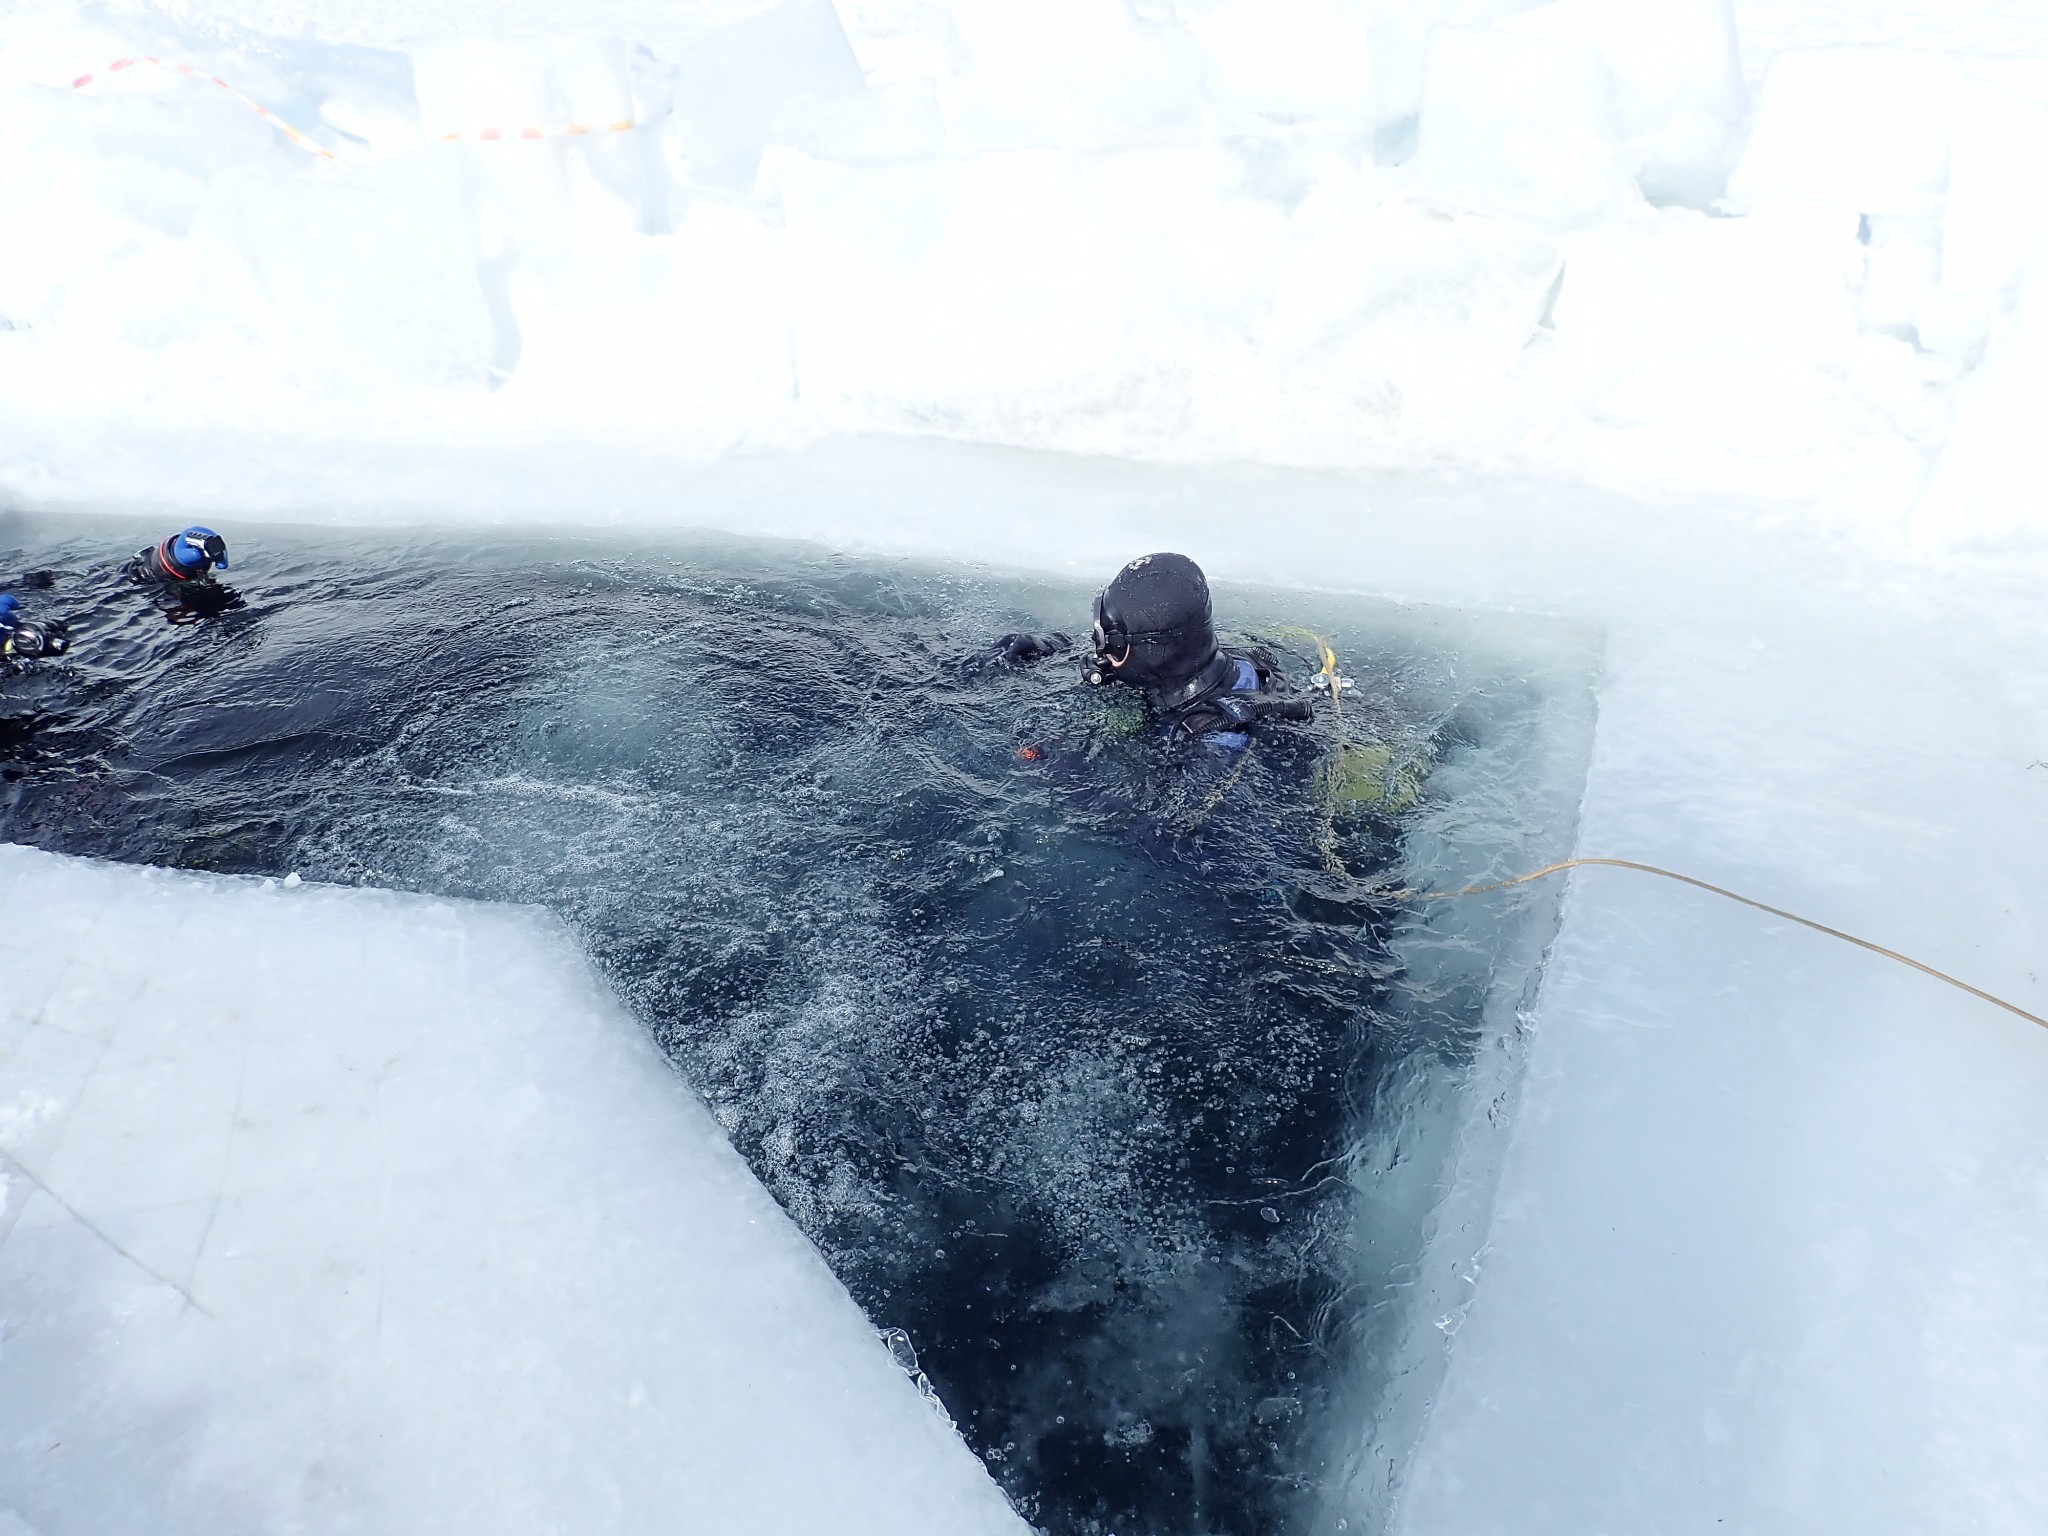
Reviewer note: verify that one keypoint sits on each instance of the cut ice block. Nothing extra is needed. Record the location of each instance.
(325, 1209)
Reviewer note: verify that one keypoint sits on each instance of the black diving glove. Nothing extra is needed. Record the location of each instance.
(1021, 650)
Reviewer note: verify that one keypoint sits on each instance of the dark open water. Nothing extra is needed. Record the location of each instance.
(1074, 1056)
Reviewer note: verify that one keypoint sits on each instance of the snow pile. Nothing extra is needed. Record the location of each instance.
(1571, 110)
(1331, 232)
(331, 1210)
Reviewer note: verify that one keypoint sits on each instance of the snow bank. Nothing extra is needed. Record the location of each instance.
(1568, 111)
(1996, 213)
(1519, 125)
(1292, 56)
(514, 86)
(1865, 130)
(750, 84)
(1217, 232)
(333, 1210)
(1985, 489)
(1675, 73)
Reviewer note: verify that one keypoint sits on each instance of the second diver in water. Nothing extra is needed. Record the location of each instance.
(26, 639)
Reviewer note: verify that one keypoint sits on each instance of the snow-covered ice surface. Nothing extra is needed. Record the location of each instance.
(339, 1210)
(1774, 1222)
(1983, 27)
(1317, 233)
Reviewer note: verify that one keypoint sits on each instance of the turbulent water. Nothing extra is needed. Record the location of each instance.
(1089, 1064)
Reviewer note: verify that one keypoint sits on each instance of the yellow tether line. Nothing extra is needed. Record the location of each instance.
(1793, 917)
(1335, 866)
(1329, 664)
(1326, 833)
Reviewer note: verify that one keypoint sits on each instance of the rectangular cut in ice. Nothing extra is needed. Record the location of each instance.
(325, 1209)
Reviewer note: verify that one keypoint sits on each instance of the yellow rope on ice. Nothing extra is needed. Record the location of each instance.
(1791, 917)
(1327, 681)
(1334, 864)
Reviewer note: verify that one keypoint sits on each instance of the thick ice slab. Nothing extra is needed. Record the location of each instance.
(337, 1210)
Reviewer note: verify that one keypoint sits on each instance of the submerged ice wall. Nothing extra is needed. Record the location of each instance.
(334, 1210)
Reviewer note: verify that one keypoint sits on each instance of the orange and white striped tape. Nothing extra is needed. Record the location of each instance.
(468, 136)
(573, 131)
(275, 121)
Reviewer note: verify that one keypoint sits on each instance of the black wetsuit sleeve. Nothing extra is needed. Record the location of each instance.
(1021, 650)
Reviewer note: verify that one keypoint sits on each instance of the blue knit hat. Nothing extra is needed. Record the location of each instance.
(190, 553)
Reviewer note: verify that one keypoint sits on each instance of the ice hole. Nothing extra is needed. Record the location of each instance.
(1116, 1086)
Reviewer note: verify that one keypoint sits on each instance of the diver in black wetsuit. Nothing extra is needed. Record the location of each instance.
(178, 575)
(1155, 631)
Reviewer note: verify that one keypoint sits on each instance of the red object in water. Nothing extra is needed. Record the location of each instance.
(1027, 754)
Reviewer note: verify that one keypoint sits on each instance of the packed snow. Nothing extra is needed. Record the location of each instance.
(1559, 240)
(1726, 336)
(327, 1209)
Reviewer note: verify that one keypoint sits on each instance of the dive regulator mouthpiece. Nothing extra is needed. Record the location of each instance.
(29, 639)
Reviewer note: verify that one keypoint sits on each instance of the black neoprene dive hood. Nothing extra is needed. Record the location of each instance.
(1153, 623)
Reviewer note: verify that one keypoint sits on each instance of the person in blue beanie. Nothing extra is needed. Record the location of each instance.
(178, 572)
(188, 556)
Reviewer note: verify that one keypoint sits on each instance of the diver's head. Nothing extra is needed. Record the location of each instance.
(1152, 623)
(192, 553)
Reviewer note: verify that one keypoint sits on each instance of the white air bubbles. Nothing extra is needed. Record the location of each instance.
(1128, 1432)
